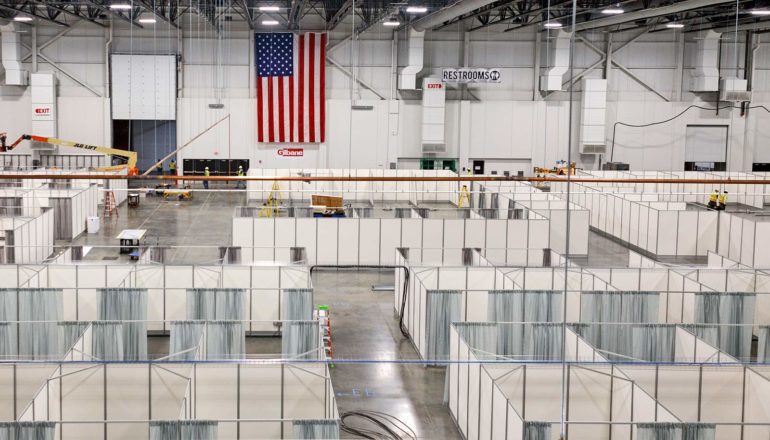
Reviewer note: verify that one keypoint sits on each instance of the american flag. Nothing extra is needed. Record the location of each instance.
(291, 76)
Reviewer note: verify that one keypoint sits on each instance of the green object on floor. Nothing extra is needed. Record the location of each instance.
(322, 307)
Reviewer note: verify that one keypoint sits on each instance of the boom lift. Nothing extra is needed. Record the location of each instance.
(129, 156)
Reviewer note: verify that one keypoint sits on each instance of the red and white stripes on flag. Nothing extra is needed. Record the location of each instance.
(291, 82)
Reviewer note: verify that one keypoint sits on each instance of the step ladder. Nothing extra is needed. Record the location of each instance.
(322, 315)
(110, 207)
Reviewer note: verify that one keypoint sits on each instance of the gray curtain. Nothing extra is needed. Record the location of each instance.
(728, 309)
(69, 333)
(127, 304)
(7, 340)
(675, 431)
(27, 430)
(707, 332)
(616, 307)
(107, 341)
(211, 304)
(185, 335)
(299, 340)
(524, 306)
(763, 347)
(297, 305)
(537, 431)
(443, 308)
(652, 342)
(530, 340)
(225, 340)
(183, 430)
(316, 429)
(481, 337)
(31, 340)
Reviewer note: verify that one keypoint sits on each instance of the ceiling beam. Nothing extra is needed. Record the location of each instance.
(64, 10)
(341, 12)
(451, 12)
(32, 13)
(157, 13)
(114, 13)
(643, 14)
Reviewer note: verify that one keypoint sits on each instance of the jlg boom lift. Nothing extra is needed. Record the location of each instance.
(129, 156)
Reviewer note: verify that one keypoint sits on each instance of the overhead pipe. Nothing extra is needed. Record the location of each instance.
(15, 75)
(407, 79)
(642, 14)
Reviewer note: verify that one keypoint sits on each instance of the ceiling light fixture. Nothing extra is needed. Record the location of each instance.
(120, 6)
(269, 22)
(552, 24)
(269, 8)
(760, 12)
(390, 23)
(674, 25)
(416, 9)
(22, 18)
(147, 20)
(612, 11)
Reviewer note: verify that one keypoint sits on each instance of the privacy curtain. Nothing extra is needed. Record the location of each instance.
(27, 430)
(481, 337)
(183, 430)
(126, 304)
(763, 348)
(443, 307)
(69, 333)
(299, 340)
(726, 309)
(675, 431)
(216, 304)
(537, 431)
(107, 342)
(185, 336)
(30, 340)
(524, 306)
(616, 307)
(297, 305)
(652, 343)
(316, 429)
(225, 340)
(530, 341)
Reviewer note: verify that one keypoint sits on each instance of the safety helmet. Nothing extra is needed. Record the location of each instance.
(240, 166)
(206, 168)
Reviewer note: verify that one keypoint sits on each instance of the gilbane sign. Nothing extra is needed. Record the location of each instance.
(471, 76)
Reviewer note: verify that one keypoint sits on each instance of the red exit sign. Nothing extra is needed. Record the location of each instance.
(42, 110)
(435, 85)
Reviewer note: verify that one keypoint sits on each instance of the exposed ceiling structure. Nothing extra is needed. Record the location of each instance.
(467, 15)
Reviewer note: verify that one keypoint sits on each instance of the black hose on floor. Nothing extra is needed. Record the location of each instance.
(401, 325)
(387, 426)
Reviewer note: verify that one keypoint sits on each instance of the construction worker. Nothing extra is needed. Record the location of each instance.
(241, 184)
(172, 168)
(713, 199)
(206, 173)
(722, 201)
(159, 168)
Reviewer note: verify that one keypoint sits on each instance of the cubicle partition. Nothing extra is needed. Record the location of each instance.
(27, 239)
(743, 238)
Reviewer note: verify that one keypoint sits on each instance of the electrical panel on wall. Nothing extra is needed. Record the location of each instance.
(43, 105)
(433, 118)
(143, 87)
(592, 117)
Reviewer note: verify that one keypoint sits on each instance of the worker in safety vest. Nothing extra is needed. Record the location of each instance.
(713, 199)
(206, 174)
(172, 168)
(722, 201)
(241, 173)
(159, 168)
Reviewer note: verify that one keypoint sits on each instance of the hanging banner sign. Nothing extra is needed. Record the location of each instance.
(291, 152)
(464, 76)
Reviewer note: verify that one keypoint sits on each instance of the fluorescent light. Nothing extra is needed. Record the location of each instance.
(269, 8)
(269, 22)
(147, 20)
(552, 24)
(760, 12)
(390, 23)
(121, 6)
(22, 18)
(416, 9)
(612, 11)
(674, 25)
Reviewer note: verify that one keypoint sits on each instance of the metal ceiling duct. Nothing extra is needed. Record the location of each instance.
(646, 13)
(454, 10)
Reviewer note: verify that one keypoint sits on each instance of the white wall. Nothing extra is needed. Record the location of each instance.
(509, 121)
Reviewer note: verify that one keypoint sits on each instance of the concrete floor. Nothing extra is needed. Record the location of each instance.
(365, 328)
